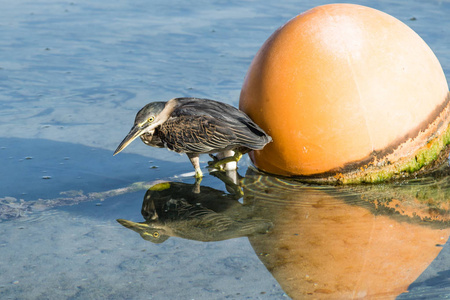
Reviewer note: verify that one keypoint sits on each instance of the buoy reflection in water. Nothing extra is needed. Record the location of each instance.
(349, 242)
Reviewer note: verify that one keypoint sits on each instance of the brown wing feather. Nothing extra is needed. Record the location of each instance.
(198, 134)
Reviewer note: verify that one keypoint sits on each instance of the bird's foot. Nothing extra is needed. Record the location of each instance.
(220, 164)
(214, 164)
(198, 175)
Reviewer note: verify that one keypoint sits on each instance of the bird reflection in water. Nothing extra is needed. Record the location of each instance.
(178, 209)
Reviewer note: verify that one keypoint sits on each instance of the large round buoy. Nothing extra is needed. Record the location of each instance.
(348, 93)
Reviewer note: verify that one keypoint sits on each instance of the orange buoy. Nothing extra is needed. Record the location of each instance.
(348, 93)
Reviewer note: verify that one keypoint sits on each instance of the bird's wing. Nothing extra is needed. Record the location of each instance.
(207, 107)
(198, 134)
(228, 120)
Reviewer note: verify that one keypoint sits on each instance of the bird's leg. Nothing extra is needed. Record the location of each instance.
(224, 163)
(195, 161)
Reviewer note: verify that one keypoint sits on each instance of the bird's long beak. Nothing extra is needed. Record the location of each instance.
(134, 133)
(138, 227)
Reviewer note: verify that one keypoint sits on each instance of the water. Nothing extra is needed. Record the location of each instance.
(72, 77)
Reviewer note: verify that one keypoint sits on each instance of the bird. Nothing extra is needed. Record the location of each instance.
(197, 126)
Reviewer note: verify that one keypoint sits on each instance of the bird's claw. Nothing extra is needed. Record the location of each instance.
(219, 164)
(215, 163)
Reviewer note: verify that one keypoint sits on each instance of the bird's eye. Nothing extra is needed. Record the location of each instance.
(156, 234)
(151, 119)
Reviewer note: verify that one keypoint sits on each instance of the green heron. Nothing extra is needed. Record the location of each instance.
(197, 126)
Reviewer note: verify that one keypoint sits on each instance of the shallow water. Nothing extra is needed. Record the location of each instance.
(72, 77)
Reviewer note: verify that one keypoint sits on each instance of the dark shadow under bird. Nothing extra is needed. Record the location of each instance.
(197, 126)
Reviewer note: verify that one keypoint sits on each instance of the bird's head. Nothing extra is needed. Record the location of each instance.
(147, 119)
